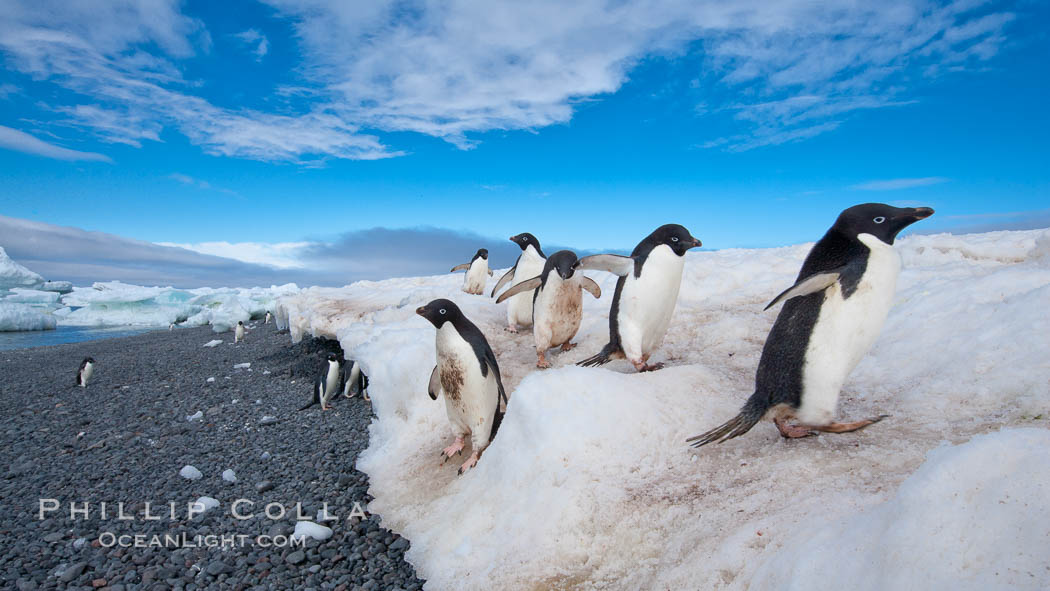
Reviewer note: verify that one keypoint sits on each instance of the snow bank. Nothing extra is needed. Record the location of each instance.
(589, 483)
(14, 275)
(969, 518)
(16, 317)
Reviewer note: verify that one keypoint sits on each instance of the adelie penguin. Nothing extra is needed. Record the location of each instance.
(557, 303)
(268, 317)
(238, 333)
(327, 383)
(87, 367)
(529, 264)
(354, 380)
(477, 272)
(645, 296)
(468, 375)
(831, 317)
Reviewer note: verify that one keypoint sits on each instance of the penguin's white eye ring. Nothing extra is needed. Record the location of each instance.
(879, 220)
(442, 311)
(674, 238)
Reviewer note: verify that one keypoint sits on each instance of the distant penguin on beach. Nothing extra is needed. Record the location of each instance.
(327, 383)
(645, 295)
(557, 303)
(831, 317)
(268, 317)
(477, 271)
(354, 380)
(468, 375)
(87, 367)
(238, 334)
(529, 264)
(171, 327)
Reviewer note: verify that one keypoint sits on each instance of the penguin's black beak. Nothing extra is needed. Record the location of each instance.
(696, 243)
(422, 310)
(920, 213)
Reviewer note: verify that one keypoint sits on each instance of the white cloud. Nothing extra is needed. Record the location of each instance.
(282, 255)
(896, 184)
(195, 182)
(13, 139)
(451, 69)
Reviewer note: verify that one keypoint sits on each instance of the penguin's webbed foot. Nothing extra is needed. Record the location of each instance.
(470, 463)
(848, 427)
(455, 448)
(512, 328)
(568, 346)
(789, 431)
(541, 361)
(642, 366)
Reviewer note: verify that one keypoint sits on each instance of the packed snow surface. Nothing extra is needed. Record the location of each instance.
(589, 483)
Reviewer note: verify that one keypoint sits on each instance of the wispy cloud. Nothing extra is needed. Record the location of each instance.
(13, 139)
(195, 182)
(897, 184)
(258, 42)
(281, 255)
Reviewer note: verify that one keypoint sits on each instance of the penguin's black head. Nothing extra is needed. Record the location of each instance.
(482, 253)
(88, 360)
(333, 357)
(561, 262)
(439, 312)
(674, 236)
(878, 219)
(240, 323)
(524, 240)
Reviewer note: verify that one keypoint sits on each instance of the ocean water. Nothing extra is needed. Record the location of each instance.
(66, 334)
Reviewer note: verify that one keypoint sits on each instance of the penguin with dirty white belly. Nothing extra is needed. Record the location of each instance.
(645, 296)
(354, 380)
(468, 375)
(268, 317)
(238, 333)
(87, 367)
(327, 383)
(529, 264)
(477, 271)
(831, 317)
(557, 303)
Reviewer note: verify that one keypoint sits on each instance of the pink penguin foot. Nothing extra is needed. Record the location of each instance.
(470, 463)
(512, 328)
(568, 346)
(541, 361)
(643, 366)
(455, 448)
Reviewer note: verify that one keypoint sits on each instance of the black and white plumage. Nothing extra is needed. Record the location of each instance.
(268, 317)
(557, 305)
(468, 375)
(830, 319)
(354, 380)
(238, 332)
(327, 383)
(477, 272)
(645, 296)
(529, 264)
(87, 367)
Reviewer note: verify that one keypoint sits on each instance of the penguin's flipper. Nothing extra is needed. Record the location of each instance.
(811, 284)
(527, 285)
(435, 384)
(610, 263)
(591, 287)
(503, 281)
(462, 267)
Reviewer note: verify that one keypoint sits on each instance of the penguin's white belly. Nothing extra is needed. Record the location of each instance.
(86, 374)
(519, 307)
(558, 310)
(846, 329)
(331, 383)
(647, 302)
(474, 282)
(470, 398)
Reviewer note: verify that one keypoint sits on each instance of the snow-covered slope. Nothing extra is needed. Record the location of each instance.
(589, 483)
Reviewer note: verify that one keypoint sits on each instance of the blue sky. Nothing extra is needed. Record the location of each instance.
(268, 132)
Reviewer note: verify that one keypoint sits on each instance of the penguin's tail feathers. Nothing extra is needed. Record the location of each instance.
(609, 352)
(753, 411)
(497, 420)
(312, 402)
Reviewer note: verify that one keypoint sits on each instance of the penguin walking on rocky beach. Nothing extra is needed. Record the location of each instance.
(645, 295)
(468, 375)
(238, 333)
(268, 317)
(557, 303)
(477, 272)
(327, 383)
(87, 367)
(354, 380)
(830, 319)
(529, 264)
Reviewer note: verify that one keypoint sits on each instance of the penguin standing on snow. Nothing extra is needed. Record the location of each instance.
(477, 271)
(238, 333)
(87, 367)
(645, 296)
(831, 317)
(468, 374)
(529, 264)
(327, 383)
(354, 380)
(557, 303)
